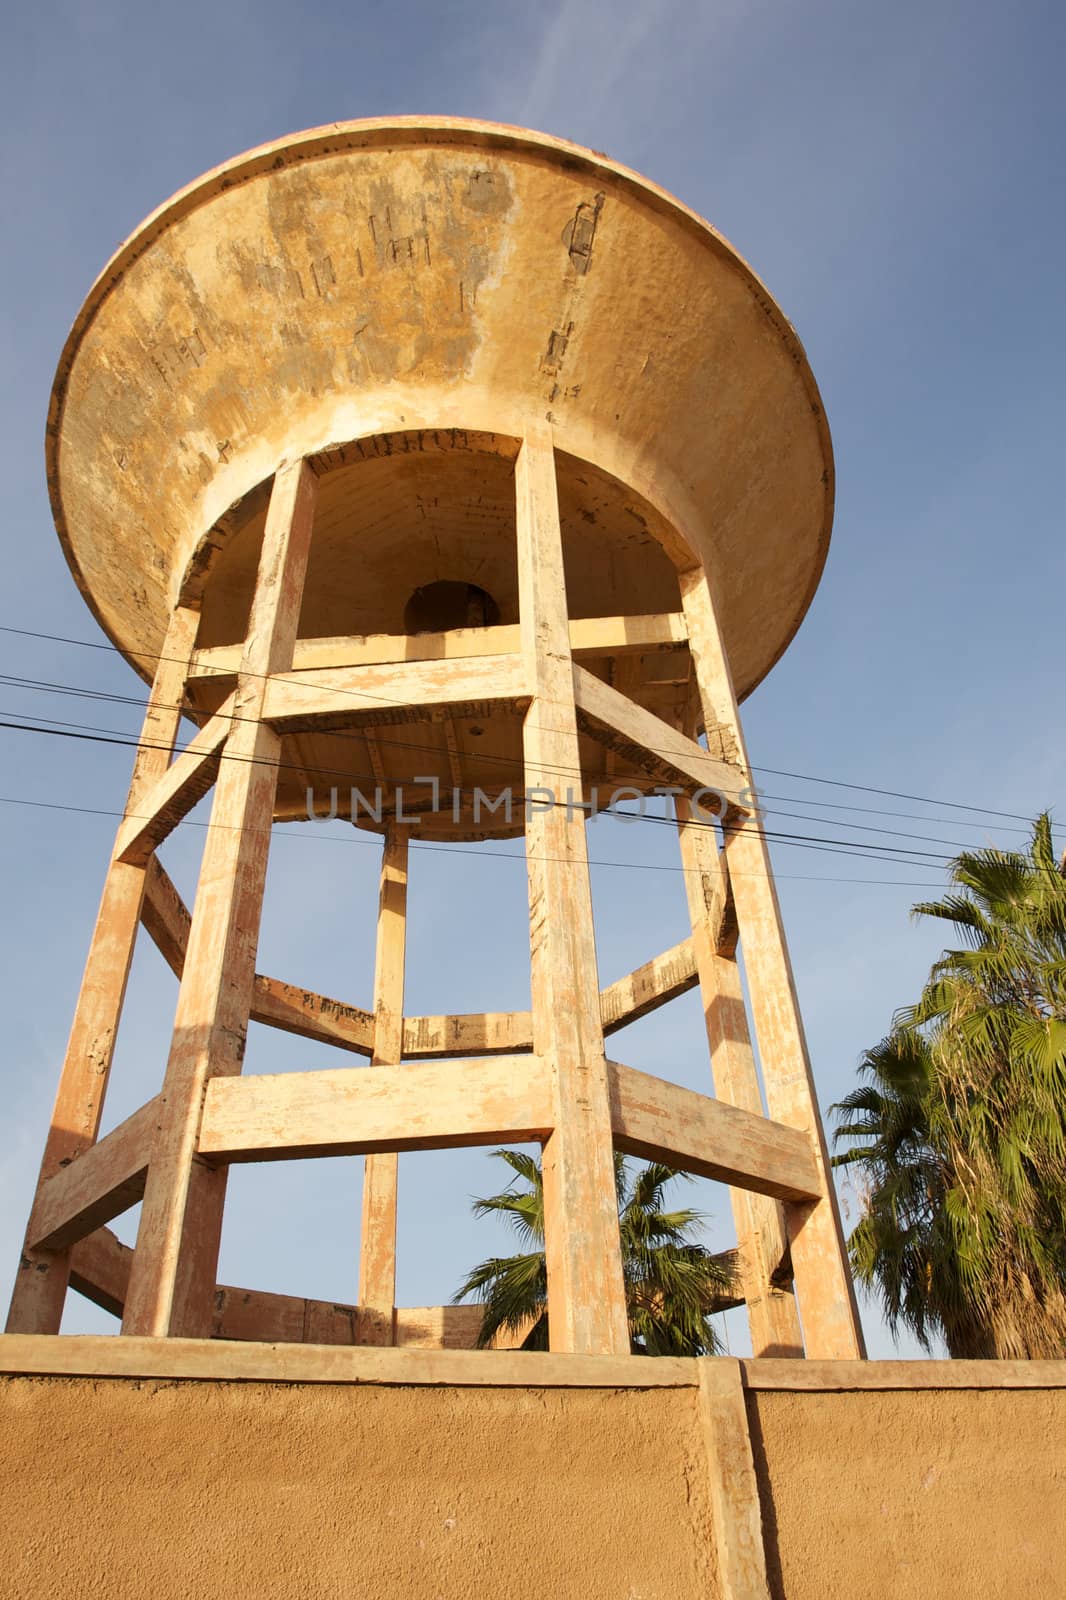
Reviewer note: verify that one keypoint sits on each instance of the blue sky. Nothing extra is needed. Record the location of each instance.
(895, 175)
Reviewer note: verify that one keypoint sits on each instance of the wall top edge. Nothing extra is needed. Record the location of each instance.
(212, 1360)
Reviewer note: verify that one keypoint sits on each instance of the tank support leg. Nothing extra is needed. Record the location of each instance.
(41, 1285)
(172, 1281)
(586, 1296)
(831, 1325)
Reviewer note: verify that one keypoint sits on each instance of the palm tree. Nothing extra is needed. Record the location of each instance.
(959, 1134)
(673, 1285)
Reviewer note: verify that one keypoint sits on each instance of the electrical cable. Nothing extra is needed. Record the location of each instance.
(289, 831)
(773, 771)
(304, 769)
(807, 841)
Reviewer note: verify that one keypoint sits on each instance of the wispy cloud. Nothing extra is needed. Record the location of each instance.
(584, 55)
(599, 68)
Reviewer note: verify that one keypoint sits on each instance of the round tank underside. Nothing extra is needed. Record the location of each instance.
(397, 301)
(398, 514)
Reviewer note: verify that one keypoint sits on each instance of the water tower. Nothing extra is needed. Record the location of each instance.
(456, 478)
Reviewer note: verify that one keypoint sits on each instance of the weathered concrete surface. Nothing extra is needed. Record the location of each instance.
(434, 279)
(398, 302)
(913, 1494)
(126, 1488)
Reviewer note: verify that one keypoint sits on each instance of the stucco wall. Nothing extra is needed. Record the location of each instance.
(126, 1488)
(913, 1494)
(178, 1486)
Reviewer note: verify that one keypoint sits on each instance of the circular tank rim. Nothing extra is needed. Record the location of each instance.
(311, 143)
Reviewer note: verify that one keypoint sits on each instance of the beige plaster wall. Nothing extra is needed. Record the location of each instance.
(124, 1487)
(128, 1488)
(937, 1493)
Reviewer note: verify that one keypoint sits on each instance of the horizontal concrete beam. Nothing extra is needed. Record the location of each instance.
(651, 744)
(280, 1005)
(428, 1106)
(498, 1032)
(364, 696)
(662, 1122)
(100, 1270)
(484, 1033)
(315, 1016)
(174, 794)
(614, 636)
(101, 1183)
(259, 1316)
(290, 1115)
(654, 984)
(312, 1016)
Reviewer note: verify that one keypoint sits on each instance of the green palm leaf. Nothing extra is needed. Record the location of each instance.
(674, 1285)
(958, 1133)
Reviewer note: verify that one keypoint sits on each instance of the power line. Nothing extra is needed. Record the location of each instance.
(515, 767)
(894, 794)
(303, 769)
(289, 831)
(512, 766)
(801, 777)
(878, 811)
(858, 849)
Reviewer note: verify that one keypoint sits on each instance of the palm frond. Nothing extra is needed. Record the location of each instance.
(674, 1285)
(958, 1134)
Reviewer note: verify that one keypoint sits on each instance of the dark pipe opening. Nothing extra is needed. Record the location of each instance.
(441, 606)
